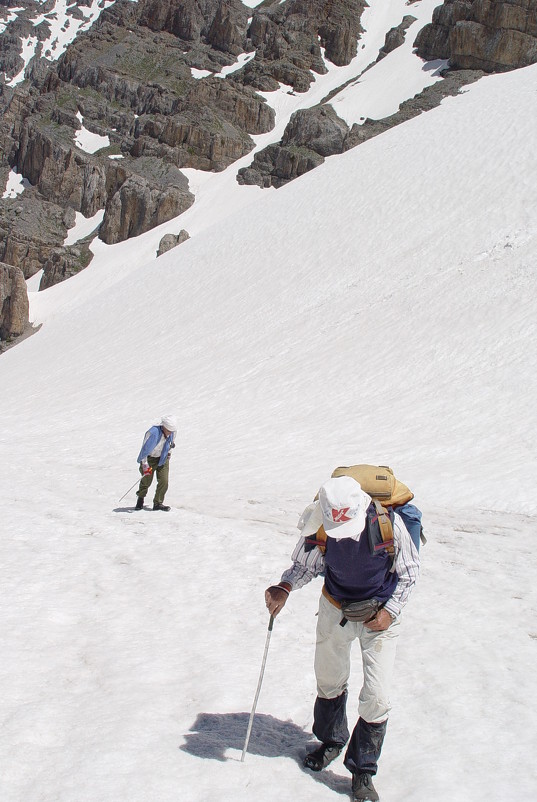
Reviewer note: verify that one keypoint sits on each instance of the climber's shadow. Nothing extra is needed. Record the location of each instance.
(212, 734)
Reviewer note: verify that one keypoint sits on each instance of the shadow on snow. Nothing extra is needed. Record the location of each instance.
(213, 733)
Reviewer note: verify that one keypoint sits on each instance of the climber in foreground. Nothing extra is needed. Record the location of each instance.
(367, 582)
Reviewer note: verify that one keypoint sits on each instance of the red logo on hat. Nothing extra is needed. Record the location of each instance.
(340, 516)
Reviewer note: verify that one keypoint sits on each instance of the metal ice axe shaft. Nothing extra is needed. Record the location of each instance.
(252, 714)
(133, 486)
(129, 490)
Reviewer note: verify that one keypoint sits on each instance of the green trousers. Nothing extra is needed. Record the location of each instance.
(162, 479)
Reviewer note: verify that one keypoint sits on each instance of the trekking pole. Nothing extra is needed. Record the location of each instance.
(129, 490)
(252, 714)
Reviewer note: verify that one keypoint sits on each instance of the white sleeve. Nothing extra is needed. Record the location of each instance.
(407, 567)
(307, 564)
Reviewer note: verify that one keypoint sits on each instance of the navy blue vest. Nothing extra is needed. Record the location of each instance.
(352, 572)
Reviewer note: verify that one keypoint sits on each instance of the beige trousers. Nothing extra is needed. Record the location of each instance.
(333, 661)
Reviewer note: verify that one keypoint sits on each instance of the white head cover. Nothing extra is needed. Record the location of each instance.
(343, 506)
(169, 422)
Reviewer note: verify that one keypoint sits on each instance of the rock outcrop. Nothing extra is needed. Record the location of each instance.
(288, 39)
(30, 229)
(220, 23)
(312, 134)
(14, 306)
(142, 194)
(396, 36)
(132, 78)
(489, 35)
(128, 78)
(170, 241)
(63, 174)
(63, 263)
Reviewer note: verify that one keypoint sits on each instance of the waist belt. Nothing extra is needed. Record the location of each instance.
(330, 598)
(357, 611)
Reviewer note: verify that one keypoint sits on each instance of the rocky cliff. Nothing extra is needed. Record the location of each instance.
(489, 35)
(13, 302)
(131, 81)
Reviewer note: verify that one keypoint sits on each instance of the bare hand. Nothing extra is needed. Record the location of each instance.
(275, 598)
(380, 622)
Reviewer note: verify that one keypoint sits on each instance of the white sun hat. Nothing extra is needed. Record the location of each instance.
(344, 506)
(169, 422)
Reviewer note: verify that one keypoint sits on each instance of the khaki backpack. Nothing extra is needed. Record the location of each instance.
(379, 482)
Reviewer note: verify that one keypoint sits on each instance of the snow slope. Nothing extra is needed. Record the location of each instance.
(378, 309)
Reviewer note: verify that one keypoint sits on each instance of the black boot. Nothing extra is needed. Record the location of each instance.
(139, 503)
(321, 757)
(161, 507)
(363, 789)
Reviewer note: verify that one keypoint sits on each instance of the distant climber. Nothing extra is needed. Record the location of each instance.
(154, 457)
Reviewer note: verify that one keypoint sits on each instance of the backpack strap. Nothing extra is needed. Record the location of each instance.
(317, 540)
(385, 526)
(380, 529)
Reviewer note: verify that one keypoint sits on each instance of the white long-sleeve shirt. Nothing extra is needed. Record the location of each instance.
(309, 564)
(157, 451)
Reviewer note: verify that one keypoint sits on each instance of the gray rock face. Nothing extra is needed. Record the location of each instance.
(63, 263)
(318, 128)
(288, 38)
(310, 136)
(14, 306)
(275, 166)
(170, 241)
(489, 35)
(130, 76)
(396, 36)
(221, 24)
(201, 139)
(315, 133)
(140, 201)
(433, 40)
(49, 160)
(30, 229)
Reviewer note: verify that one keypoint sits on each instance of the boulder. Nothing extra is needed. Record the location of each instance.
(317, 128)
(314, 133)
(170, 241)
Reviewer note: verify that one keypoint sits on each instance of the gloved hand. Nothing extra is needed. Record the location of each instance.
(146, 469)
(276, 596)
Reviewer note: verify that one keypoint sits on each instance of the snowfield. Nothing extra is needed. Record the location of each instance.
(379, 309)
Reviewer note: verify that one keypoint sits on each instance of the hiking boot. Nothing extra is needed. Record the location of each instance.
(161, 507)
(139, 503)
(363, 789)
(321, 757)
